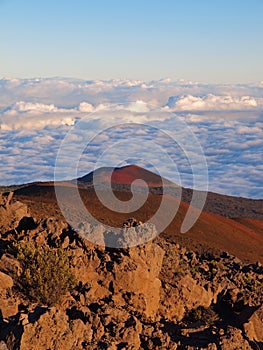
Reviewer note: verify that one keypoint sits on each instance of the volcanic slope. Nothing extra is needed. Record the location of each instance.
(239, 236)
(121, 179)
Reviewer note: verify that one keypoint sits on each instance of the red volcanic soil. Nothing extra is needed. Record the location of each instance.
(228, 206)
(126, 176)
(253, 224)
(212, 232)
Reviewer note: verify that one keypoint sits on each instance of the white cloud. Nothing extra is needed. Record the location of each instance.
(86, 107)
(33, 116)
(22, 106)
(212, 102)
(249, 129)
(138, 106)
(36, 114)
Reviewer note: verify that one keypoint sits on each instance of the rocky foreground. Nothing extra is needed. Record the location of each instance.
(153, 296)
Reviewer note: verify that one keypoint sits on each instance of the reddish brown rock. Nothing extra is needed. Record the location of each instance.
(10, 265)
(11, 212)
(54, 331)
(8, 304)
(254, 327)
(137, 276)
(186, 295)
(234, 340)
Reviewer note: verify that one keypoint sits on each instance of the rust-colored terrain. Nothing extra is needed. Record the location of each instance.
(240, 233)
(64, 288)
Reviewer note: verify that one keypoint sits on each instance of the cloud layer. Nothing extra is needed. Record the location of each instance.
(212, 102)
(36, 114)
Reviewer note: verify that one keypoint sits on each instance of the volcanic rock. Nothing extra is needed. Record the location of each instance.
(234, 340)
(11, 212)
(53, 330)
(156, 295)
(254, 327)
(8, 305)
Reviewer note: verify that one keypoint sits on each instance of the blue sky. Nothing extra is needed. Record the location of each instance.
(208, 41)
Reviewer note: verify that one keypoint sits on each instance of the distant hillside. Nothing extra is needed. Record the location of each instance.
(227, 206)
(211, 233)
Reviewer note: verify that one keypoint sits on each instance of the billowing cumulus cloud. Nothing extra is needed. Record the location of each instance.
(244, 129)
(22, 106)
(212, 102)
(36, 115)
(86, 107)
(29, 115)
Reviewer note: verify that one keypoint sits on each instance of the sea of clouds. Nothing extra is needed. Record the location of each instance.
(134, 122)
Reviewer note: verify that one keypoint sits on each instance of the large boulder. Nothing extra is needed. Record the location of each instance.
(186, 295)
(6, 281)
(254, 327)
(8, 304)
(135, 278)
(10, 265)
(11, 212)
(129, 276)
(53, 330)
(234, 340)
